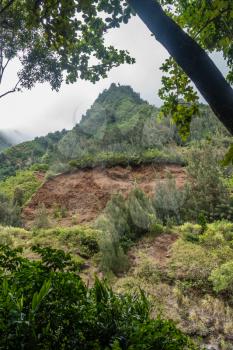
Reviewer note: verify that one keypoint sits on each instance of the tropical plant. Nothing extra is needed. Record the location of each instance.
(45, 305)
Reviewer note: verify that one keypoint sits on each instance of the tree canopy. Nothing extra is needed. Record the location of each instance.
(58, 40)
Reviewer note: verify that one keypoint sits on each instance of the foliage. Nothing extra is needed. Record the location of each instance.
(112, 256)
(57, 41)
(26, 154)
(209, 24)
(205, 196)
(41, 217)
(222, 278)
(131, 217)
(207, 189)
(124, 221)
(24, 184)
(110, 159)
(141, 212)
(9, 211)
(77, 239)
(94, 318)
(169, 202)
(80, 241)
(180, 100)
(196, 255)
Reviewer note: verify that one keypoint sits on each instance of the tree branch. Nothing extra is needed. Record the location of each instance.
(15, 88)
(210, 21)
(6, 6)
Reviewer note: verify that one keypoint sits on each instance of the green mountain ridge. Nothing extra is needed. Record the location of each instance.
(119, 121)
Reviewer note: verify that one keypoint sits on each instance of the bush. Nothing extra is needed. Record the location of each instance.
(156, 228)
(122, 222)
(78, 239)
(118, 216)
(195, 256)
(217, 234)
(141, 212)
(169, 202)
(222, 278)
(190, 232)
(129, 218)
(207, 189)
(112, 256)
(45, 305)
(41, 217)
(9, 212)
(39, 167)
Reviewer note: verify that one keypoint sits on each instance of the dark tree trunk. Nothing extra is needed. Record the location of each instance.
(190, 57)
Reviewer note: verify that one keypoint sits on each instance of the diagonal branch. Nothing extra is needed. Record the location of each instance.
(6, 6)
(210, 21)
(15, 88)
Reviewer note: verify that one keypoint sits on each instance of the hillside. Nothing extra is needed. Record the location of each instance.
(119, 125)
(25, 154)
(84, 194)
(126, 199)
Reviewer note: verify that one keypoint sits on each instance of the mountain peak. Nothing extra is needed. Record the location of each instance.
(116, 92)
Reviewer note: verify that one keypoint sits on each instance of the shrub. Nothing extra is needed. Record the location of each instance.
(222, 278)
(169, 202)
(156, 228)
(190, 232)
(118, 216)
(41, 217)
(59, 212)
(141, 212)
(45, 305)
(39, 167)
(122, 222)
(191, 262)
(112, 255)
(218, 234)
(207, 188)
(78, 239)
(9, 212)
(128, 218)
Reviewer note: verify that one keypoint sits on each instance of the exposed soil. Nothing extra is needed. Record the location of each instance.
(160, 248)
(85, 193)
(157, 249)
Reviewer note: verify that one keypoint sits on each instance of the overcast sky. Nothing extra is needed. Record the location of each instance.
(42, 110)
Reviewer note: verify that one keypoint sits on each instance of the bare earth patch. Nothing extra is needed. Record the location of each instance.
(85, 193)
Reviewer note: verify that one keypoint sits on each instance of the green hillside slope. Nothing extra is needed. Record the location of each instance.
(119, 125)
(27, 153)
